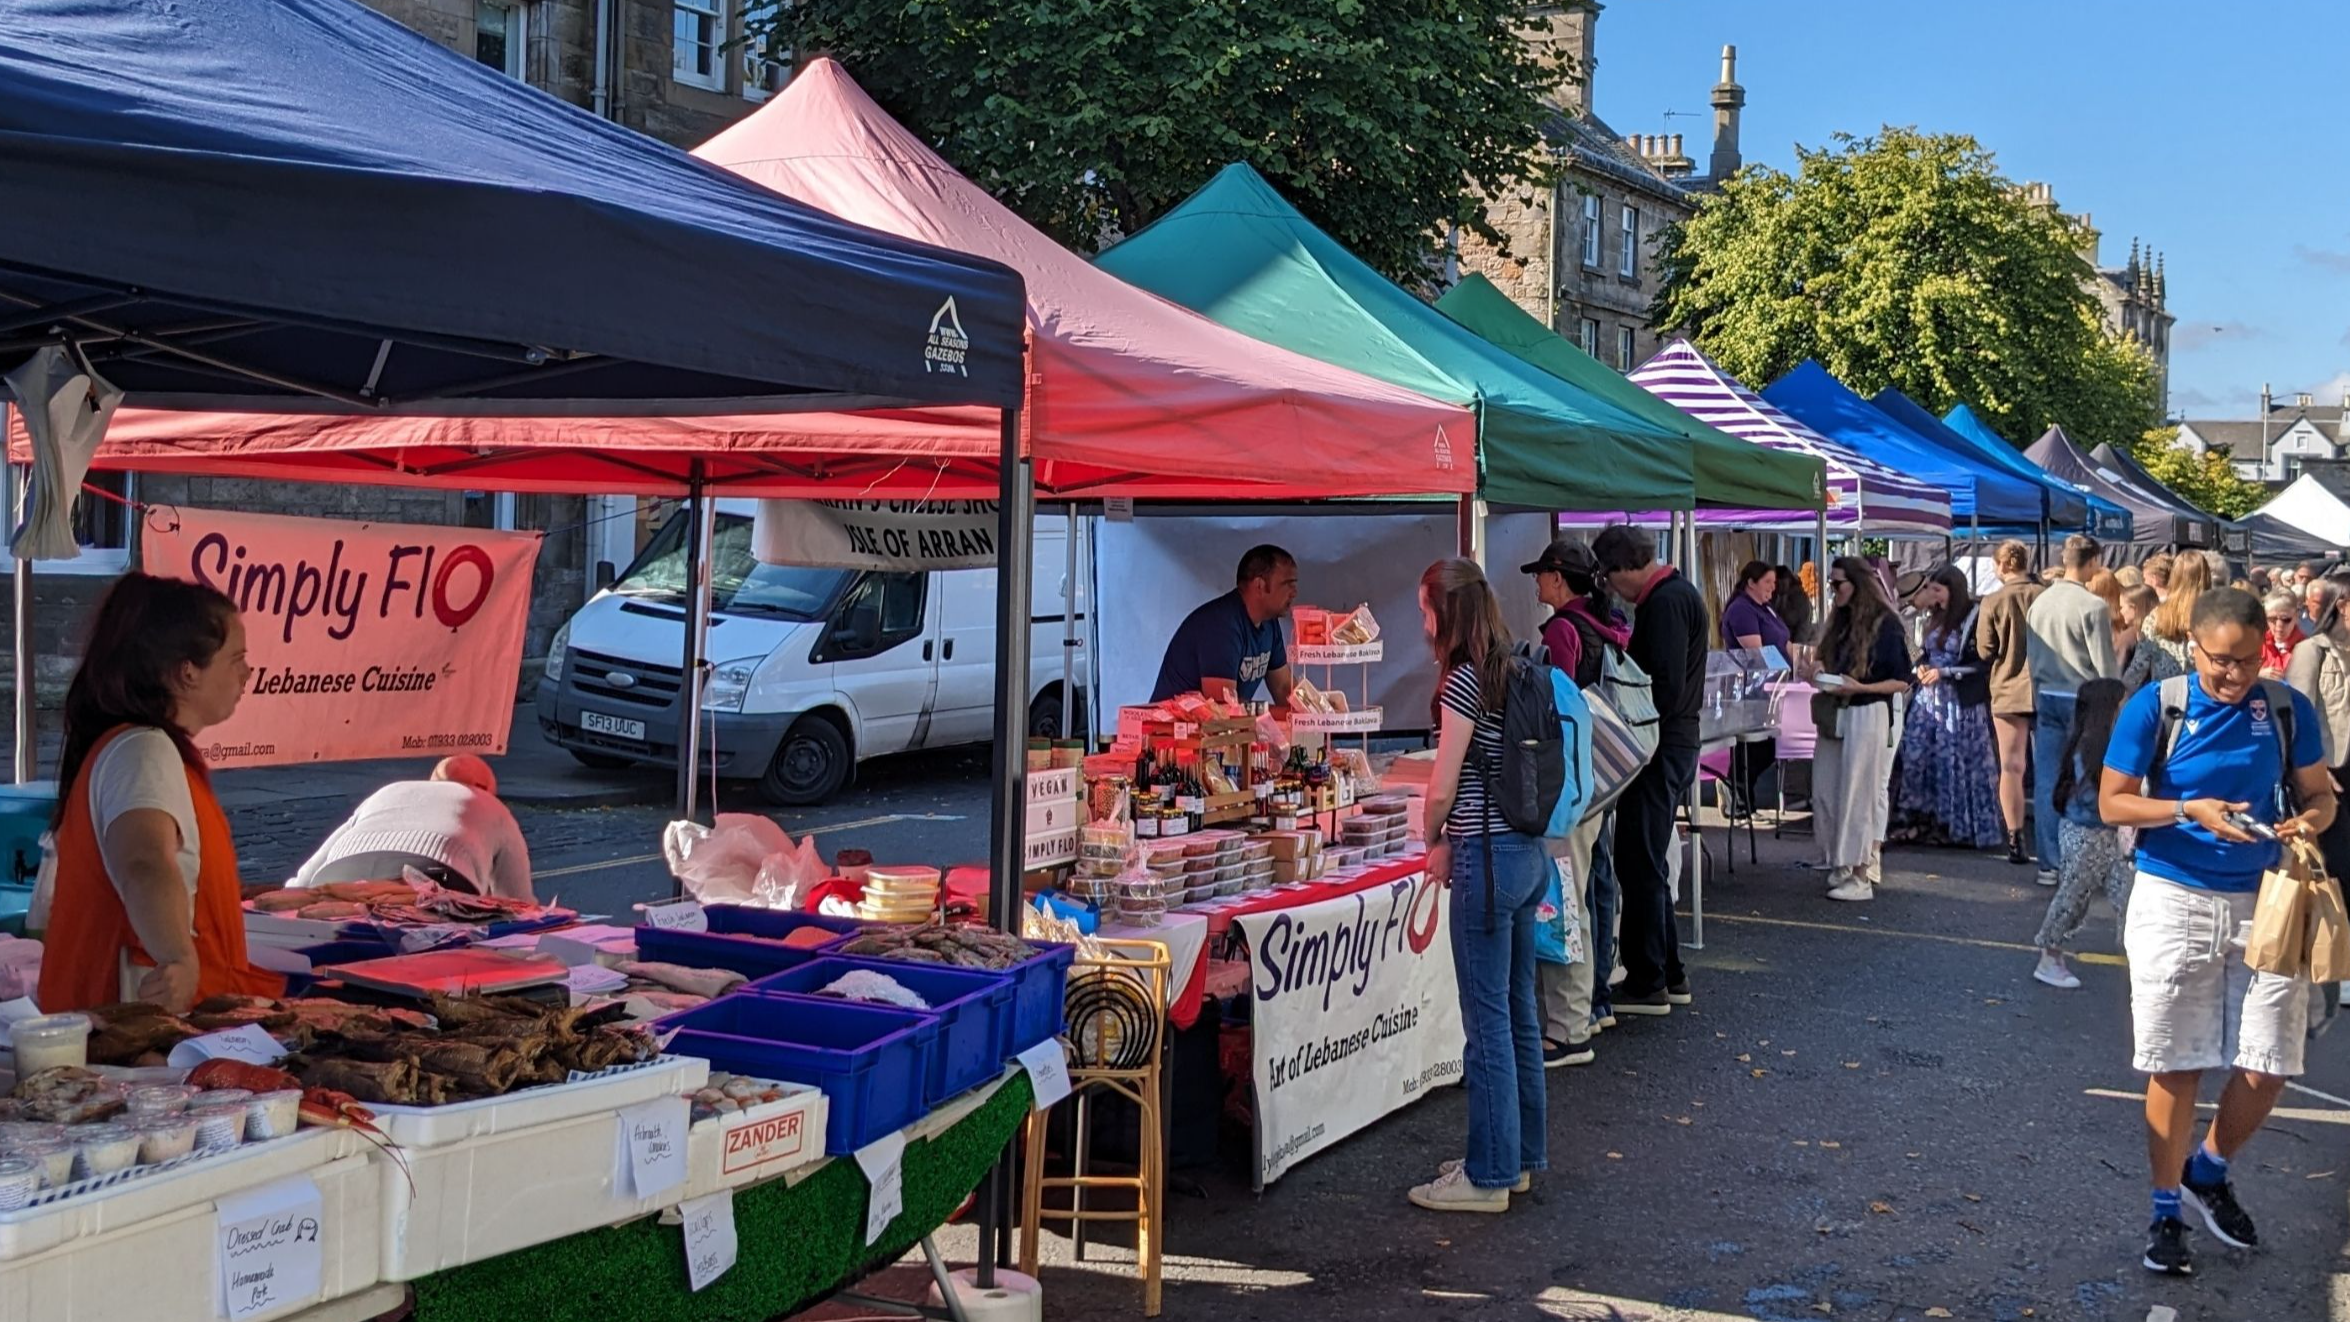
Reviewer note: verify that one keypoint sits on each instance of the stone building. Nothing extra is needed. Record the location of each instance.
(674, 69)
(1582, 255)
(2134, 296)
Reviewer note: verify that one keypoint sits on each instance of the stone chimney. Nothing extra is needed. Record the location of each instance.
(1565, 34)
(1667, 158)
(1729, 98)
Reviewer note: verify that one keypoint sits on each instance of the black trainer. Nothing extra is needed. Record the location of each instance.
(2166, 1248)
(2216, 1202)
(1654, 1004)
(1679, 993)
(2015, 848)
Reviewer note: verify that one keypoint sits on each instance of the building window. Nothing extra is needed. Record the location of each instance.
(1626, 346)
(500, 35)
(697, 55)
(1628, 251)
(766, 66)
(102, 527)
(1591, 231)
(1587, 335)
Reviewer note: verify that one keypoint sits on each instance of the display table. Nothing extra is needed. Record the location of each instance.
(1380, 873)
(800, 1237)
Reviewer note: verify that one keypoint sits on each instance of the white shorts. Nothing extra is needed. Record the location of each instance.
(2194, 1004)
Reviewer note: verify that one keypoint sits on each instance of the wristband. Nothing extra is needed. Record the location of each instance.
(2179, 815)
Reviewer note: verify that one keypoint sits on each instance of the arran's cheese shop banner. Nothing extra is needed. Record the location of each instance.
(367, 640)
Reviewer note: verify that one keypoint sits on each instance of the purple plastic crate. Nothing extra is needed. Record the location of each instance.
(973, 1007)
(870, 1061)
(724, 946)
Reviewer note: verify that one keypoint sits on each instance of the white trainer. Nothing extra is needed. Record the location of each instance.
(2053, 972)
(1854, 890)
(1452, 1192)
(1460, 1166)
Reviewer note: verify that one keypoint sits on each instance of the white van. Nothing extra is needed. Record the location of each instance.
(813, 670)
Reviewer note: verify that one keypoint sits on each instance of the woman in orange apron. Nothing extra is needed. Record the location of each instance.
(147, 903)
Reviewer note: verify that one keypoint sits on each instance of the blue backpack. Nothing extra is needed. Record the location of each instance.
(1543, 783)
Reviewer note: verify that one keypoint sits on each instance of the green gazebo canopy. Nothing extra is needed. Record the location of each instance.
(1730, 473)
(1240, 254)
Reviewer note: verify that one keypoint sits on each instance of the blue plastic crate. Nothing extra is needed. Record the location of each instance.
(724, 946)
(870, 1061)
(1039, 995)
(973, 1008)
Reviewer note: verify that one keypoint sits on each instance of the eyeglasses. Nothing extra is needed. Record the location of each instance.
(2231, 665)
(1839, 582)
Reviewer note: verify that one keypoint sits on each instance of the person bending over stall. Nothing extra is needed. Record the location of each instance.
(451, 828)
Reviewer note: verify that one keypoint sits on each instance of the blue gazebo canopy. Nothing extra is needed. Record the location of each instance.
(2070, 504)
(1977, 489)
(300, 204)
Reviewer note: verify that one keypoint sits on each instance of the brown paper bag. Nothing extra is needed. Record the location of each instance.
(2329, 933)
(2279, 941)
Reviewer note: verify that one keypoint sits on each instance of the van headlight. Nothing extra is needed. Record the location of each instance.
(557, 647)
(729, 684)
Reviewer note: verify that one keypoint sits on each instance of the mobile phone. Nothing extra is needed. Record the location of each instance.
(2251, 826)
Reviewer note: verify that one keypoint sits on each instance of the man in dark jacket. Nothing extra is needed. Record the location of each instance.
(1668, 641)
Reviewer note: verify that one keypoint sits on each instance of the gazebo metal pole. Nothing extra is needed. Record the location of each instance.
(28, 734)
(1069, 633)
(697, 633)
(1008, 808)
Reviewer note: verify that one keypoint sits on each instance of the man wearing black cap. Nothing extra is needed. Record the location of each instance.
(1578, 634)
(1668, 641)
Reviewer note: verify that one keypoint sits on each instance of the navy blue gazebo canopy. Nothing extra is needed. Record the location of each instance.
(301, 204)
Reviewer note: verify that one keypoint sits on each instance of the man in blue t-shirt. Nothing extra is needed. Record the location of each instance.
(1231, 646)
(2235, 758)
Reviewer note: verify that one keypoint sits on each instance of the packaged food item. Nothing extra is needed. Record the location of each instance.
(20, 1179)
(220, 1097)
(219, 1126)
(16, 1133)
(1356, 628)
(103, 1149)
(159, 1098)
(1312, 625)
(273, 1114)
(53, 1155)
(50, 1042)
(164, 1137)
(853, 864)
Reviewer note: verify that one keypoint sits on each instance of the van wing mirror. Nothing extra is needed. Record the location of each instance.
(606, 574)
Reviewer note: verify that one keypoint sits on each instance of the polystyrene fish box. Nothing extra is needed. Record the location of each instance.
(607, 1090)
(163, 1267)
(130, 1199)
(495, 1193)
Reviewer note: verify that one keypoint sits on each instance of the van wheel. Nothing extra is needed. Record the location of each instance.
(810, 766)
(1044, 715)
(599, 761)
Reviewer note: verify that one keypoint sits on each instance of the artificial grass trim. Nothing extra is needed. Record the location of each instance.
(797, 1243)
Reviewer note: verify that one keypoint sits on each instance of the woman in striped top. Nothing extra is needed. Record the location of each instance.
(1497, 878)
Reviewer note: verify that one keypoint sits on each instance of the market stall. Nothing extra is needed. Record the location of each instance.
(1980, 495)
(2195, 526)
(2070, 505)
(2158, 522)
(2313, 507)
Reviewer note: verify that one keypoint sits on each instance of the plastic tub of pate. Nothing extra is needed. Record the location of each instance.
(20, 1179)
(50, 1041)
(103, 1150)
(14, 1133)
(53, 1155)
(164, 1136)
(273, 1114)
(159, 1098)
(220, 1125)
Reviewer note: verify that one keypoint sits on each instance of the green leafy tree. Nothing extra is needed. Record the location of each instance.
(1384, 123)
(2208, 481)
(1906, 260)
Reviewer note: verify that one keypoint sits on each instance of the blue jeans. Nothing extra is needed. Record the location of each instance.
(2052, 719)
(1599, 937)
(1493, 961)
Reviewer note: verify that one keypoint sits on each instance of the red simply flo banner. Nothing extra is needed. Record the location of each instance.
(367, 640)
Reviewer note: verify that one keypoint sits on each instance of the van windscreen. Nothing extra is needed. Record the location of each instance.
(738, 582)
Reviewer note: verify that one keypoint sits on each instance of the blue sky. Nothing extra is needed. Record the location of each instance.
(2210, 131)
